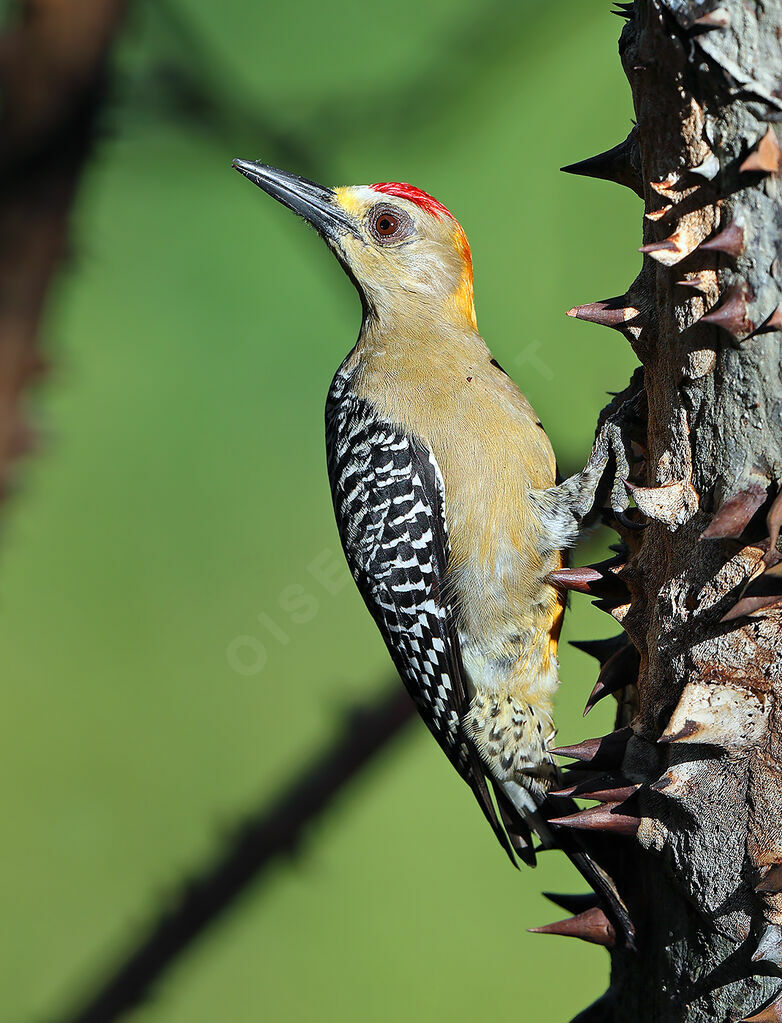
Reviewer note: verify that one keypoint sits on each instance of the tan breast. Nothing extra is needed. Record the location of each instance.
(491, 450)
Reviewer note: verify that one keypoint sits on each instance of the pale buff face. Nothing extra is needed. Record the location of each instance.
(424, 264)
(408, 256)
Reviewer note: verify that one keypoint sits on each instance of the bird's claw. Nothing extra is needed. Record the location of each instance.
(624, 520)
(566, 506)
(610, 442)
(615, 445)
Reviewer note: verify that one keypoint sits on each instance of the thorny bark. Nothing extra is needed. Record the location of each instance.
(703, 876)
(52, 70)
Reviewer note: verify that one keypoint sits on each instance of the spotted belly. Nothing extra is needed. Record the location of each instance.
(513, 739)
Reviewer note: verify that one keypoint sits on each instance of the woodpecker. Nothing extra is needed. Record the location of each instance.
(446, 497)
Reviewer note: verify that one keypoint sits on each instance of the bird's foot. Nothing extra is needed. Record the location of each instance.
(564, 507)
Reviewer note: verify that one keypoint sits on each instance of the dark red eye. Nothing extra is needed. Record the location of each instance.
(386, 224)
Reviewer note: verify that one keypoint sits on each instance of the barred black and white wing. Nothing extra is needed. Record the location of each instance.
(389, 504)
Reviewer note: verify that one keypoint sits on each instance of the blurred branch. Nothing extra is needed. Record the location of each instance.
(52, 81)
(193, 84)
(275, 831)
(200, 88)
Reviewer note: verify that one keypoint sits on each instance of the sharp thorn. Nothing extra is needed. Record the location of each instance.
(670, 250)
(598, 693)
(617, 164)
(666, 245)
(658, 247)
(673, 785)
(697, 283)
(605, 751)
(751, 605)
(735, 514)
(615, 796)
(729, 240)
(770, 1014)
(612, 565)
(582, 786)
(774, 322)
(661, 784)
(774, 524)
(620, 670)
(608, 789)
(609, 312)
(567, 792)
(687, 731)
(731, 314)
(600, 580)
(772, 881)
(592, 925)
(600, 818)
(582, 775)
(579, 579)
(601, 649)
(767, 158)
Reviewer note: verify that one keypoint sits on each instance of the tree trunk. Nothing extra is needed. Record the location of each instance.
(703, 877)
(53, 57)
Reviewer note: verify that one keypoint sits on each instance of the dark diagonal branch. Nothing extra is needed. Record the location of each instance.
(276, 830)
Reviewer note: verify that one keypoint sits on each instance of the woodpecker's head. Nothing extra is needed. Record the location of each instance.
(401, 248)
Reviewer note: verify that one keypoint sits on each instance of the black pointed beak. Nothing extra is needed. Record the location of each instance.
(315, 203)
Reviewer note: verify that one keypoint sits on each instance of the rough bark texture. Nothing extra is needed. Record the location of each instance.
(703, 877)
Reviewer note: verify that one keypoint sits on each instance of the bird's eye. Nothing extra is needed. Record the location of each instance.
(388, 225)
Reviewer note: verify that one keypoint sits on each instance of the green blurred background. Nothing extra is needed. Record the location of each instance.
(161, 680)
